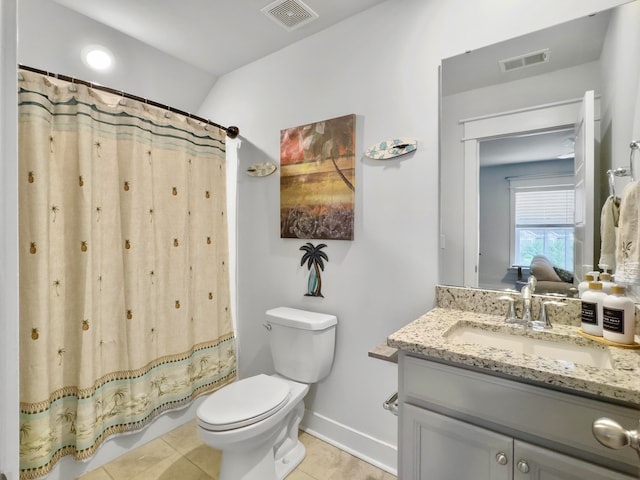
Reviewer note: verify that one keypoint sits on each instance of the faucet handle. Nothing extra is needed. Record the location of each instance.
(510, 315)
(544, 321)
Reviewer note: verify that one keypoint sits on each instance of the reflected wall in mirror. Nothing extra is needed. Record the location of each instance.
(486, 111)
(523, 174)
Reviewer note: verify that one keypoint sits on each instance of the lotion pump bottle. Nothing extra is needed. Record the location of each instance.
(618, 317)
(605, 279)
(591, 316)
(584, 285)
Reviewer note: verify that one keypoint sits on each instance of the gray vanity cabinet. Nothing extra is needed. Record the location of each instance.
(459, 424)
(437, 447)
(443, 448)
(544, 464)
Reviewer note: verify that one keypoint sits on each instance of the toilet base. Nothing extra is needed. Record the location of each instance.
(257, 464)
(267, 450)
(286, 464)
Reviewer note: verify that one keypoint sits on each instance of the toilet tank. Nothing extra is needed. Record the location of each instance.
(302, 343)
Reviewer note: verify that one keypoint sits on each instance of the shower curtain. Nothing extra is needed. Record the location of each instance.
(124, 282)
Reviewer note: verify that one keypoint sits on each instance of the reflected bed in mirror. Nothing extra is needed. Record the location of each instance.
(507, 131)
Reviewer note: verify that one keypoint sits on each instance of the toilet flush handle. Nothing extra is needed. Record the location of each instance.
(267, 325)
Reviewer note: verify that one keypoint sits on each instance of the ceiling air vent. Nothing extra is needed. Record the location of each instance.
(523, 61)
(289, 14)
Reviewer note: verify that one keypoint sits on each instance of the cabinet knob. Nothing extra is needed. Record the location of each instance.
(523, 466)
(501, 458)
(612, 435)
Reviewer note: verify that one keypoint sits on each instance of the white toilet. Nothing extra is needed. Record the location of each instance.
(254, 421)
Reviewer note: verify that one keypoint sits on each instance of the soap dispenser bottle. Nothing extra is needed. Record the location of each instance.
(618, 317)
(606, 278)
(584, 285)
(591, 314)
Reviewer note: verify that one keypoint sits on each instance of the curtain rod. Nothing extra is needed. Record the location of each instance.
(232, 131)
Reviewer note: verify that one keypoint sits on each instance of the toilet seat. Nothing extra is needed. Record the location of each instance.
(243, 403)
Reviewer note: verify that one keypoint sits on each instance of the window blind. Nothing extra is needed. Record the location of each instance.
(547, 207)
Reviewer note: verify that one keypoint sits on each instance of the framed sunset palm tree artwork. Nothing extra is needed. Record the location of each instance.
(317, 180)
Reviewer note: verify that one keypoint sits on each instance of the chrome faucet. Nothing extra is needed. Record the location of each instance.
(527, 320)
(527, 294)
(545, 322)
(510, 315)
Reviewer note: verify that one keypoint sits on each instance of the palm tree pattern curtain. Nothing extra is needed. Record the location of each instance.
(124, 288)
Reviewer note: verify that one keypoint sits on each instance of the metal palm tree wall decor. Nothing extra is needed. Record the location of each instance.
(314, 256)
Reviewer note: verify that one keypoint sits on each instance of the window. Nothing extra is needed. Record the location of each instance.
(542, 220)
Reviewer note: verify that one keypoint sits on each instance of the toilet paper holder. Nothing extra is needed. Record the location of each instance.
(391, 404)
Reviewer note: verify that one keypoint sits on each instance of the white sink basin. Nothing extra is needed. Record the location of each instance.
(565, 352)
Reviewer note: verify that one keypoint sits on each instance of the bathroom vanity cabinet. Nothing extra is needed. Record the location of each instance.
(460, 423)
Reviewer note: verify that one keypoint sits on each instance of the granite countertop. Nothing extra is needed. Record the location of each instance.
(428, 336)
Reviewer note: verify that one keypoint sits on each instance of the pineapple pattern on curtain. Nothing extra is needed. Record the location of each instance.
(124, 287)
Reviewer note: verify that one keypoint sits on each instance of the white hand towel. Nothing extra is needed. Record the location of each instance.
(608, 232)
(628, 247)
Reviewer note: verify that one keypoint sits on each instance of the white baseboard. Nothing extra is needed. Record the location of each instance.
(372, 450)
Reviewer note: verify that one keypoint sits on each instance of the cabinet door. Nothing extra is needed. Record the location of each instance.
(436, 447)
(535, 463)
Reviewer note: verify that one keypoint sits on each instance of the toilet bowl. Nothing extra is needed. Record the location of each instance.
(254, 421)
(258, 438)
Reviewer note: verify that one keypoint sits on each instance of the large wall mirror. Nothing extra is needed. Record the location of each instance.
(528, 129)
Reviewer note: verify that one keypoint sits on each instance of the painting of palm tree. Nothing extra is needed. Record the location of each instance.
(314, 256)
(317, 179)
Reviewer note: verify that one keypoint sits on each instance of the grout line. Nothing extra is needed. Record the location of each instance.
(195, 465)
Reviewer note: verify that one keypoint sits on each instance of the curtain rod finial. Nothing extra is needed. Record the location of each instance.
(233, 132)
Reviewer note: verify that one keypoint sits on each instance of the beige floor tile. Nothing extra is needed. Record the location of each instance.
(98, 474)
(298, 474)
(207, 459)
(149, 459)
(184, 438)
(186, 441)
(352, 467)
(180, 454)
(322, 460)
(181, 469)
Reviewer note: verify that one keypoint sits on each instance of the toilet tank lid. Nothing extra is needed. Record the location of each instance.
(303, 319)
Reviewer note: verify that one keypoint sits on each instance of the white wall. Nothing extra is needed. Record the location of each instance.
(52, 38)
(620, 107)
(381, 65)
(9, 401)
(495, 217)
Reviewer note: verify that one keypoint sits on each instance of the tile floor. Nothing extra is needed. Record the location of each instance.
(181, 455)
